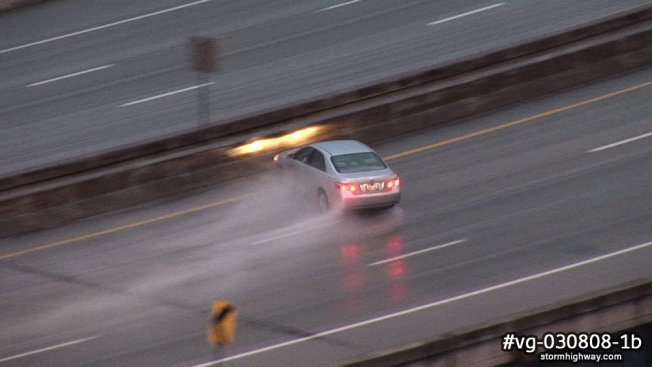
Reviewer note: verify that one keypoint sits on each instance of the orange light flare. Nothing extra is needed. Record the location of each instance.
(289, 140)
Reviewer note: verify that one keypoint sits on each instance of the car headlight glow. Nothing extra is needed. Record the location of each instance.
(293, 139)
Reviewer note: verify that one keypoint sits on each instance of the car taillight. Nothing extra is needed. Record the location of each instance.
(395, 182)
(347, 187)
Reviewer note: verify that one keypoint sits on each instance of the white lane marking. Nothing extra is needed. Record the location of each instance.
(417, 252)
(165, 94)
(621, 142)
(465, 14)
(103, 26)
(71, 75)
(338, 5)
(288, 234)
(47, 349)
(427, 306)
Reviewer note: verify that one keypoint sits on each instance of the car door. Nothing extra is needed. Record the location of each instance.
(299, 168)
(316, 173)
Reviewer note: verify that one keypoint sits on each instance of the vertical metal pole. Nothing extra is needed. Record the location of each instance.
(203, 99)
(204, 54)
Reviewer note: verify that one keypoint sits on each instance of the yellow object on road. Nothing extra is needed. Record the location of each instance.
(223, 323)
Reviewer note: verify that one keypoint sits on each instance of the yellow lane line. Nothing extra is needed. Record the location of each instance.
(516, 122)
(391, 157)
(122, 228)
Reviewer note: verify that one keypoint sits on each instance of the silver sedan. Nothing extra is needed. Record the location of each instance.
(342, 173)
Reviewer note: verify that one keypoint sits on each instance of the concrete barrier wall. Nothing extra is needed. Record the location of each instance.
(370, 114)
(611, 311)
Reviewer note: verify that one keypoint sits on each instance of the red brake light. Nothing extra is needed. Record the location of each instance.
(395, 182)
(347, 187)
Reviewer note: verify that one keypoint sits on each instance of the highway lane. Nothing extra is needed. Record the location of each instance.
(274, 54)
(518, 202)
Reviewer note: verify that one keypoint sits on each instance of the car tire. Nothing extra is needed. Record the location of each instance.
(322, 202)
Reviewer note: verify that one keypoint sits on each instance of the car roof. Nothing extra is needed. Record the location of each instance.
(337, 147)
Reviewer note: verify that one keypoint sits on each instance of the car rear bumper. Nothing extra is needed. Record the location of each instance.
(371, 201)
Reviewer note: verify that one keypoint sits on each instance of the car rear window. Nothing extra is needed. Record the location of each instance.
(357, 162)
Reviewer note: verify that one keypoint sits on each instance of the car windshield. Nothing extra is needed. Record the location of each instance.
(357, 162)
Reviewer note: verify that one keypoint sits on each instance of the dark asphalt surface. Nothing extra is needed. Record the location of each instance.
(527, 199)
(273, 54)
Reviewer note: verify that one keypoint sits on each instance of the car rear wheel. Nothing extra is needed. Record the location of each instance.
(322, 201)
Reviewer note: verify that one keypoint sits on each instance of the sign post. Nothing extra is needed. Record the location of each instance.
(204, 54)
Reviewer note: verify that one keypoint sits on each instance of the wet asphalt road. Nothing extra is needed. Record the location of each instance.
(527, 200)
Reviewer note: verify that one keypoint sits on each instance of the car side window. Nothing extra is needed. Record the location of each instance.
(303, 154)
(317, 160)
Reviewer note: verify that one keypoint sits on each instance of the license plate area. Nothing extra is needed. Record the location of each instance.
(372, 186)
